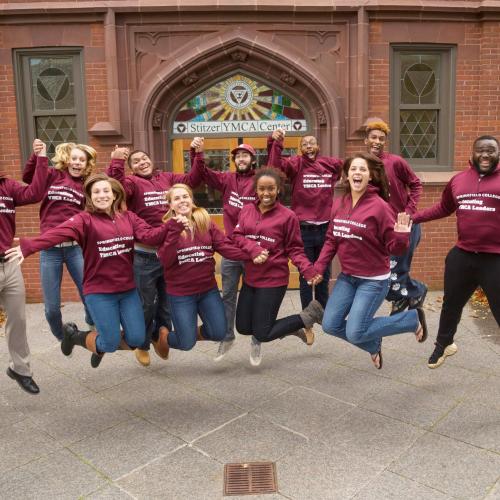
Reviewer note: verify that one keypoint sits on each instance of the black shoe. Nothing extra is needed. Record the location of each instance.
(417, 302)
(26, 383)
(399, 306)
(68, 342)
(440, 354)
(423, 325)
(95, 359)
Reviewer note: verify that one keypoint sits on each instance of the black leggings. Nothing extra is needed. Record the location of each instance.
(463, 273)
(257, 310)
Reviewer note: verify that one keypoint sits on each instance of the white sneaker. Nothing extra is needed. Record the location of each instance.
(224, 348)
(255, 354)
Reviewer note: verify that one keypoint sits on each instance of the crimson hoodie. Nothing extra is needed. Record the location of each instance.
(277, 231)
(363, 237)
(146, 195)
(237, 190)
(476, 199)
(107, 243)
(14, 194)
(404, 186)
(313, 181)
(188, 262)
(63, 195)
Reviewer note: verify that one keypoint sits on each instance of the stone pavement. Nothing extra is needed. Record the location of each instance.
(336, 427)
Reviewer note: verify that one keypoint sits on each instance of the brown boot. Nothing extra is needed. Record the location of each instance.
(199, 336)
(306, 335)
(161, 345)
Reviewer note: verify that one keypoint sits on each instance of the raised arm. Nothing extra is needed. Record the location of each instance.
(34, 192)
(289, 166)
(212, 178)
(116, 170)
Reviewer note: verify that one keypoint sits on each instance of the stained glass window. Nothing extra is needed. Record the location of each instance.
(49, 86)
(422, 104)
(239, 105)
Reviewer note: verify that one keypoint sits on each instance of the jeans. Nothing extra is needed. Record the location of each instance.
(358, 300)
(231, 271)
(185, 310)
(314, 238)
(109, 310)
(463, 273)
(51, 271)
(402, 285)
(150, 283)
(257, 311)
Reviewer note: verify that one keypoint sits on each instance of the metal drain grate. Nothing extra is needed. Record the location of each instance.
(250, 478)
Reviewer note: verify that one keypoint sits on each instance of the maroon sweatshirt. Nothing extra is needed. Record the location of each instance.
(277, 231)
(146, 195)
(107, 243)
(313, 181)
(404, 186)
(363, 237)
(237, 190)
(476, 199)
(188, 261)
(63, 195)
(14, 194)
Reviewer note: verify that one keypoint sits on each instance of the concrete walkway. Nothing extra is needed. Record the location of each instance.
(336, 427)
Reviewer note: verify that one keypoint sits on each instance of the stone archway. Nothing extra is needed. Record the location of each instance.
(249, 53)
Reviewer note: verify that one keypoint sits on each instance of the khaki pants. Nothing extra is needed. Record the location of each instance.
(13, 300)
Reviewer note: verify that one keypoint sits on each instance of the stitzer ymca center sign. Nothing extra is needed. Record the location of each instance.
(239, 105)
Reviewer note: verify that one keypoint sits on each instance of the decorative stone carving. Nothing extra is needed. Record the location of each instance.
(157, 118)
(239, 55)
(190, 79)
(287, 78)
(320, 115)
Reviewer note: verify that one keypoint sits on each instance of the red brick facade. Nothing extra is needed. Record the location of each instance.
(124, 83)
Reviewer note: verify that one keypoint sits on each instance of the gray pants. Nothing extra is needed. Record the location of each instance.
(231, 271)
(13, 300)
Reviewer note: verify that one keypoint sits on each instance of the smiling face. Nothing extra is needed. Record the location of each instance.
(267, 191)
(243, 161)
(141, 164)
(181, 202)
(102, 196)
(375, 142)
(309, 146)
(77, 162)
(358, 176)
(485, 155)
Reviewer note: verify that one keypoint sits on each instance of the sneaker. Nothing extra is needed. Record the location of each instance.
(440, 354)
(417, 302)
(224, 347)
(399, 306)
(255, 354)
(142, 357)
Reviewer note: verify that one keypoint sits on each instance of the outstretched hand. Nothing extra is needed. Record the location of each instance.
(278, 134)
(39, 148)
(120, 153)
(14, 253)
(403, 223)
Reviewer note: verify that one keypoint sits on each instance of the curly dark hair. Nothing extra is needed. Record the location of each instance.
(377, 173)
(276, 174)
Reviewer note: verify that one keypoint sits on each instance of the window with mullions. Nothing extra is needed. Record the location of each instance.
(422, 98)
(49, 89)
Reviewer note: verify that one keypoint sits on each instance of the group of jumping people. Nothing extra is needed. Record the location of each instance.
(141, 253)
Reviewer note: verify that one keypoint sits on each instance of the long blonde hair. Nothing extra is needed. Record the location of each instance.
(199, 216)
(63, 156)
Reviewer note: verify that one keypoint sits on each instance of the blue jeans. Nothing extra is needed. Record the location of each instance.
(231, 271)
(51, 271)
(358, 300)
(314, 238)
(402, 285)
(150, 283)
(110, 310)
(185, 310)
